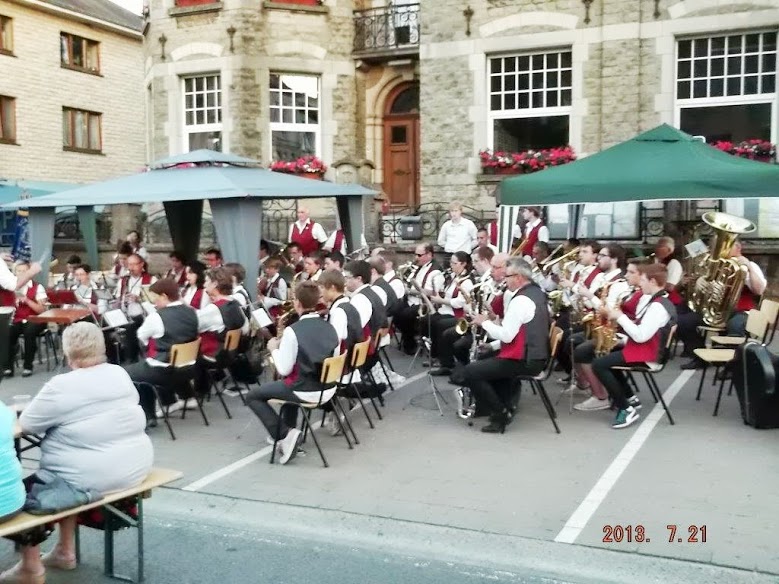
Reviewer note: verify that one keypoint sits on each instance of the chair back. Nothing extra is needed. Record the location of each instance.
(360, 353)
(669, 341)
(185, 354)
(377, 338)
(333, 369)
(555, 339)
(770, 308)
(232, 340)
(757, 324)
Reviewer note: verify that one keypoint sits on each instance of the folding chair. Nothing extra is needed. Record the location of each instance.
(359, 357)
(770, 308)
(332, 371)
(537, 381)
(221, 364)
(381, 352)
(183, 358)
(756, 329)
(650, 372)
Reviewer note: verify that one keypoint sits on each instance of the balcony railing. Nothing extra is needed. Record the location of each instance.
(387, 32)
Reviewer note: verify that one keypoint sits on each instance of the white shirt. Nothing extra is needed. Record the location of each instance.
(675, 272)
(84, 293)
(397, 284)
(189, 294)
(279, 292)
(209, 319)
(427, 274)
(543, 233)
(653, 318)
(285, 357)
(460, 236)
(134, 285)
(153, 328)
(455, 301)
(381, 294)
(362, 304)
(40, 292)
(337, 317)
(330, 243)
(7, 279)
(240, 295)
(519, 312)
(761, 283)
(617, 290)
(317, 231)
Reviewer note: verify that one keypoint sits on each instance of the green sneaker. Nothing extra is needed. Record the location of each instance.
(625, 418)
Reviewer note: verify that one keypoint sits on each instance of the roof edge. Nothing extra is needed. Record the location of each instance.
(84, 18)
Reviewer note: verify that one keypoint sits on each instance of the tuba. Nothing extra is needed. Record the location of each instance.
(717, 290)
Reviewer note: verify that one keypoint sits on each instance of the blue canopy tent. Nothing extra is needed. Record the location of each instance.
(235, 188)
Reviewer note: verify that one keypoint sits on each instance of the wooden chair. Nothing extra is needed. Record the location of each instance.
(381, 353)
(650, 372)
(756, 328)
(770, 308)
(221, 364)
(537, 381)
(332, 371)
(359, 359)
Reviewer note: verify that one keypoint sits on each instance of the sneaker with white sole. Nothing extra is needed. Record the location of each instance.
(331, 423)
(288, 447)
(564, 380)
(634, 401)
(191, 404)
(576, 390)
(231, 393)
(592, 404)
(625, 418)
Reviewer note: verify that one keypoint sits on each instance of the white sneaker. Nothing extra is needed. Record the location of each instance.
(174, 407)
(231, 393)
(592, 404)
(190, 404)
(576, 390)
(269, 440)
(288, 447)
(331, 423)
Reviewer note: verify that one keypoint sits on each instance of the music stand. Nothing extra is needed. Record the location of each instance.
(437, 395)
(61, 297)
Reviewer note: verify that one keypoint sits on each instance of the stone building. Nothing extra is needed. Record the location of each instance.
(418, 89)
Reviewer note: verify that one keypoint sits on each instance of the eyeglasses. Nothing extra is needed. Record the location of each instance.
(419, 255)
(603, 255)
(511, 275)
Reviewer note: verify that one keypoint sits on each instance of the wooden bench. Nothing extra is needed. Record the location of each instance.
(157, 477)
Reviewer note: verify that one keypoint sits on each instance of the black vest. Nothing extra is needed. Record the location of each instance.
(232, 316)
(180, 324)
(392, 298)
(537, 330)
(317, 340)
(378, 311)
(353, 329)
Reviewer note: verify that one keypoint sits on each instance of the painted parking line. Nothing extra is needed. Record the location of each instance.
(247, 460)
(587, 508)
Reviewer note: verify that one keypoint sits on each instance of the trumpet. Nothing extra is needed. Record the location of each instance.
(546, 265)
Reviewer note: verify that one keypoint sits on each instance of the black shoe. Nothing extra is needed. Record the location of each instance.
(441, 371)
(692, 364)
(497, 424)
(151, 423)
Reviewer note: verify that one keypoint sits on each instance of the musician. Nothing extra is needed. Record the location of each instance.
(522, 341)
(194, 292)
(171, 324)
(534, 230)
(337, 242)
(84, 288)
(312, 267)
(263, 255)
(295, 253)
(341, 313)
(382, 287)
(213, 258)
(423, 275)
(483, 240)
(688, 323)
(221, 315)
(365, 298)
(496, 303)
(481, 258)
(28, 299)
(69, 278)
(390, 259)
(124, 251)
(624, 294)
(238, 274)
(540, 253)
(128, 292)
(334, 261)
(664, 254)
(177, 271)
(306, 233)
(272, 289)
(458, 233)
(645, 341)
(298, 357)
(134, 239)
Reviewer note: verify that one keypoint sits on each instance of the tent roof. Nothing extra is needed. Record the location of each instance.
(14, 190)
(661, 164)
(212, 175)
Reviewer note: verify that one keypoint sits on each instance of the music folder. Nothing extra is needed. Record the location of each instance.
(61, 297)
(115, 318)
(261, 317)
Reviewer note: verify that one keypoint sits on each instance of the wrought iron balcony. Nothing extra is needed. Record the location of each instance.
(385, 33)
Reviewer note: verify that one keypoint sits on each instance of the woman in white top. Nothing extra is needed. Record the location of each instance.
(194, 293)
(85, 287)
(95, 437)
(451, 300)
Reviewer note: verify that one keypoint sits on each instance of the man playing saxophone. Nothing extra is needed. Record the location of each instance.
(423, 275)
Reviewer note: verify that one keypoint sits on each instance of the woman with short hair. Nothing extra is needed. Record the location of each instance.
(194, 293)
(95, 438)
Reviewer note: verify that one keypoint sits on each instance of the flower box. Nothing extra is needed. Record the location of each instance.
(524, 162)
(305, 166)
(182, 3)
(755, 149)
(311, 175)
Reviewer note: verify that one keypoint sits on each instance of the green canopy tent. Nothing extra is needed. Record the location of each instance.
(235, 188)
(661, 164)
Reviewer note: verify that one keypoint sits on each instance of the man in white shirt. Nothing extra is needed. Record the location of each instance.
(458, 233)
(337, 242)
(10, 281)
(522, 342)
(272, 288)
(646, 335)
(534, 231)
(307, 233)
(424, 275)
(27, 300)
(483, 240)
(390, 259)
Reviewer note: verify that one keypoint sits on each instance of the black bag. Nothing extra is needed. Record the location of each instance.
(755, 379)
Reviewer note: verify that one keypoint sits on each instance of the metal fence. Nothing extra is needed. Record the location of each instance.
(393, 28)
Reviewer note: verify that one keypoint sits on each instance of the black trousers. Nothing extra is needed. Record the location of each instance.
(438, 323)
(584, 351)
(30, 332)
(564, 354)
(279, 424)
(687, 329)
(615, 382)
(169, 383)
(491, 381)
(406, 322)
(454, 347)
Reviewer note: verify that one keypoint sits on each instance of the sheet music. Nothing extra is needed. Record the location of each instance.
(262, 318)
(115, 318)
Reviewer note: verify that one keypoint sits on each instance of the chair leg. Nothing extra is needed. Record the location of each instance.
(547, 402)
(346, 419)
(719, 395)
(384, 370)
(164, 409)
(199, 401)
(650, 385)
(336, 407)
(386, 356)
(362, 405)
(213, 383)
(369, 377)
(700, 385)
(656, 390)
(313, 435)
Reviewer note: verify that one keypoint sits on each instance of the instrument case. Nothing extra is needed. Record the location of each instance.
(755, 378)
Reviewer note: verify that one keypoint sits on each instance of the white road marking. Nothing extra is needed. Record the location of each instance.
(587, 508)
(247, 460)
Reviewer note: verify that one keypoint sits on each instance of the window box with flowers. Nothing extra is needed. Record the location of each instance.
(305, 166)
(524, 162)
(754, 149)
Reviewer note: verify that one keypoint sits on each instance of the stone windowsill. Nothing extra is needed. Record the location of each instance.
(269, 5)
(492, 178)
(197, 9)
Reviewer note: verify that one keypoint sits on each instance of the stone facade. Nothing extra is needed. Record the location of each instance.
(41, 87)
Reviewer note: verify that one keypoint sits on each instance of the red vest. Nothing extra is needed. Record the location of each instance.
(181, 280)
(646, 352)
(197, 299)
(531, 239)
(145, 281)
(496, 304)
(747, 301)
(23, 312)
(589, 279)
(305, 239)
(516, 348)
(492, 230)
(630, 305)
(339, 241)
(209, 340)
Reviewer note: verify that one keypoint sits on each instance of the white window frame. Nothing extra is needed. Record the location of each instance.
(196, 128)
(316, 129)
(765, 98)
(529, 112)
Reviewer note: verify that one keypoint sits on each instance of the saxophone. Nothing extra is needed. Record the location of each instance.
(604, 335)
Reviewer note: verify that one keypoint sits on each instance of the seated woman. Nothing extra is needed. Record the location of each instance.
(194, 293)
(95, 438)
(11, 487)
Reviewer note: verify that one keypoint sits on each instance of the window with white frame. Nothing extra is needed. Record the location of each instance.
(294, 116)
(530, 100)
(203, 112)
(726, 86)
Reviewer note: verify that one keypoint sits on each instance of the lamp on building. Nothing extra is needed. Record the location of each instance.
(587, 4)
(468, 14)
(163, 39)
(231, 33)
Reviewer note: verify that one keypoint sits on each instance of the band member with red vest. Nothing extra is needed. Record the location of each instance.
(306, 233)
(754, 286)
(124, 251)
(534, 231)
(646, 335)
(295, 253)
(664, 254)
(337, 242)
(84, 288)
(341, 314)
(522, 342)
(213, 258)
(312, 267)
(194, 292)
(173, 323)
(272, 288)
(364, 297)
(128, 293)
(28, 300)
(178, 270)
(424, 275)
(298, 357)
(624, 294)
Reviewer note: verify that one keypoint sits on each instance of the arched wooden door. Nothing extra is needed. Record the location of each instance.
(401, 146)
